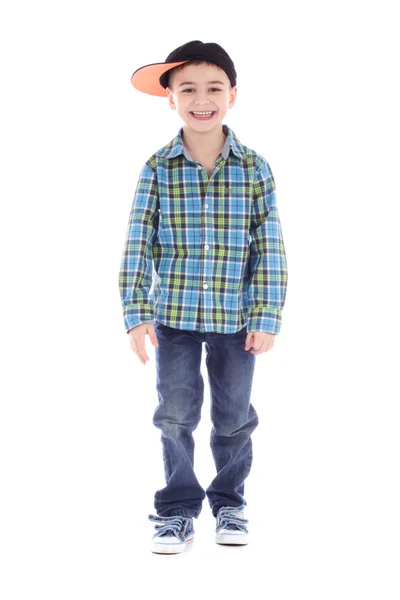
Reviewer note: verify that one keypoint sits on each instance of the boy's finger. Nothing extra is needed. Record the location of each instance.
(141, 359)
(248, 340)
(139, 349)
(143, 353)
(153, 338)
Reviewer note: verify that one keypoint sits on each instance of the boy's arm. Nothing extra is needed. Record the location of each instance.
(135, 275)
(268, 267)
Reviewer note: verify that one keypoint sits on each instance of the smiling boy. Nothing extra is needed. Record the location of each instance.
(205, 217)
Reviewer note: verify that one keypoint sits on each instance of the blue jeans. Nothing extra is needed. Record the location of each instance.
(180, 389)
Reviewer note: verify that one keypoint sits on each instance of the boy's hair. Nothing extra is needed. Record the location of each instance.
(193, 61)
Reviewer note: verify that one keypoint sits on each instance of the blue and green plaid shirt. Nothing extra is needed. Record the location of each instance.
(204, 254)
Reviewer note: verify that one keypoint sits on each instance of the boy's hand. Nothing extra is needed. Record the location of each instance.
(137, 337)
(261, 341)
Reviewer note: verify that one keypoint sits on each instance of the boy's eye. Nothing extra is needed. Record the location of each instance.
(189, 89)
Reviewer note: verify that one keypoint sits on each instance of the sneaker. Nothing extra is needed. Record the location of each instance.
(173, 534)
(231, 526)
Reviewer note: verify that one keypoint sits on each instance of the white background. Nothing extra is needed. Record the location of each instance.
(80, 457)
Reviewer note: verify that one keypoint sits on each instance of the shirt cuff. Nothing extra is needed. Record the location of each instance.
(265, 318)
(135, 314)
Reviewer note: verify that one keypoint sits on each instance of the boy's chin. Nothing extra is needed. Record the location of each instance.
(197, 125)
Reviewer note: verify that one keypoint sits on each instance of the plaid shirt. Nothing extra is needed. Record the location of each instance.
(200, 253)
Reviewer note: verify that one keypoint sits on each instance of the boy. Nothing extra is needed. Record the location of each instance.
(205, 215)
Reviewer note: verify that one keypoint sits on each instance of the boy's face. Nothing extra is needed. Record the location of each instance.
(208, 90)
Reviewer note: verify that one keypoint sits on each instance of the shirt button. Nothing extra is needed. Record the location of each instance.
(205, 286)
(206, 246)
(206, 206)
(199, 167)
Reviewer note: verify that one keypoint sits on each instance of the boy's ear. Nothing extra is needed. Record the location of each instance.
(171, 98)
(232, 96)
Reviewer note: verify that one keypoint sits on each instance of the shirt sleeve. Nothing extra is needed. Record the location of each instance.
(136, 270)
(267, 262)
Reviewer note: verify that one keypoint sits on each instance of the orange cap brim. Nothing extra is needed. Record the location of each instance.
(146, 79)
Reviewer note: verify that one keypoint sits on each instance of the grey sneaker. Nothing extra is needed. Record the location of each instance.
(173, 535)
(231, 526)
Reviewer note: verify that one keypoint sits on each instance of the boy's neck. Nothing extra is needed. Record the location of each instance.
(199, 143)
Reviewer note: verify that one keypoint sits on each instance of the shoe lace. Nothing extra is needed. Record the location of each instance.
(170, 525)
(228, 519)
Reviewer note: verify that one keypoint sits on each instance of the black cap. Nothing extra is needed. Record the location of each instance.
(208, 51)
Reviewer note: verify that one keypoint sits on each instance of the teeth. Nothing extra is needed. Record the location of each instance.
(202, 114)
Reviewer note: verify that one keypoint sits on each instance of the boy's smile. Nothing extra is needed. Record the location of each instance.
(203, 116)
(202, 96)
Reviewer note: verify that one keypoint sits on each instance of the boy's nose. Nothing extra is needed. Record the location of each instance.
(201, 97)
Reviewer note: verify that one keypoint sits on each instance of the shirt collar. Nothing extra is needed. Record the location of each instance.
(176, 146)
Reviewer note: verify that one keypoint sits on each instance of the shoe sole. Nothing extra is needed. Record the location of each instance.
(162, 548)
(232, 539)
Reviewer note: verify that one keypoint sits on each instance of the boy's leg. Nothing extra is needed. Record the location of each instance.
(230, 373)
(180, 389)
